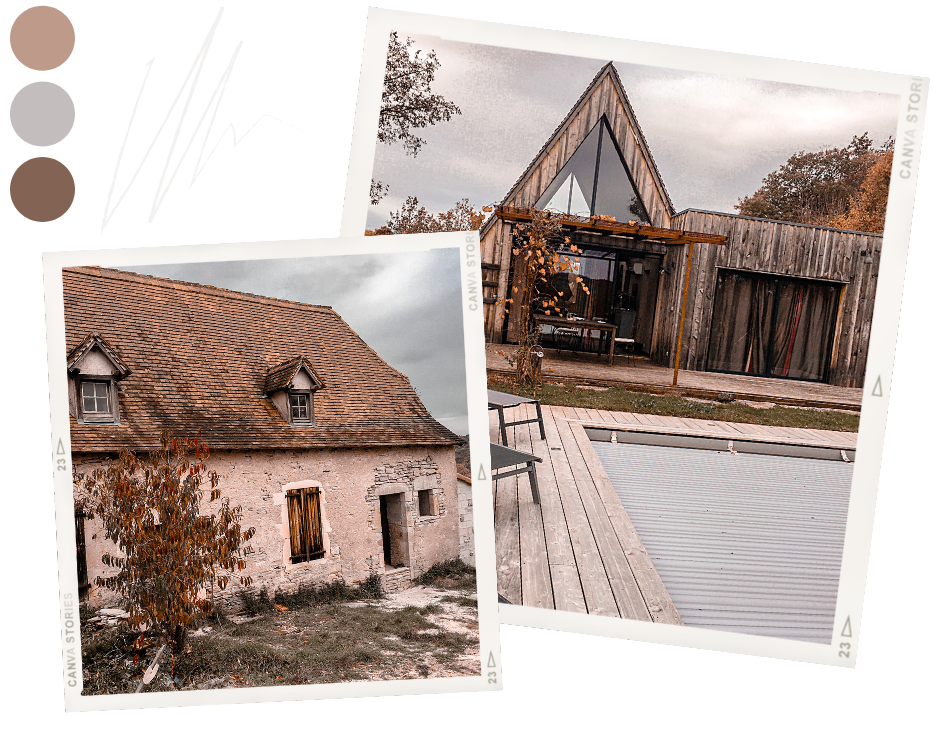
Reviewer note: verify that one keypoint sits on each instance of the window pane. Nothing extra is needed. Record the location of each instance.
(573, 187)
(95, 397)
(298, 406)
(616, 196)
(597, 274)
(804, 324)
(742, 320)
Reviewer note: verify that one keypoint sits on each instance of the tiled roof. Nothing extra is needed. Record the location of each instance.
(199, 356)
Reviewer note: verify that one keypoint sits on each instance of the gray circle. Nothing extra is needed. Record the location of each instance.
(42, 114)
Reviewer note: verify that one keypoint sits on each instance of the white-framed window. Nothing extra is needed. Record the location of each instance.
(301, 411)
(97, 400)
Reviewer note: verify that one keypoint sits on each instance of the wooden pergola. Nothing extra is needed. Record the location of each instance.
(607, 226)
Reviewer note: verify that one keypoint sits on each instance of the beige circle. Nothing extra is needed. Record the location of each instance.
(42, 38)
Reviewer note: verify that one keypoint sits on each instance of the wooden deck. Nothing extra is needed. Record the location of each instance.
(588, 369)
(578, 550)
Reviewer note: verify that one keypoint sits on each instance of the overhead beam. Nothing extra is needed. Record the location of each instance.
(608, 226)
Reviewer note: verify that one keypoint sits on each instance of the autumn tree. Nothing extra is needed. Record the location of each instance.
(413, 218)
(408, 101)
(538, 247)
(814, 187)
(169, 551)
(867, 207)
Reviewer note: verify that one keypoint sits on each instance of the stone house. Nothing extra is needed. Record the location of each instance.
(725, 293)
(332, 456)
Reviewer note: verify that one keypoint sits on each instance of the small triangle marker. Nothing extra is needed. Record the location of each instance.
(59, 448)
(481, 471)
(491, 659)
(878, 391)
(846, 631)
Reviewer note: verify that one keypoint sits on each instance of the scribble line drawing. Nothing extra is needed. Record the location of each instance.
(193, 75)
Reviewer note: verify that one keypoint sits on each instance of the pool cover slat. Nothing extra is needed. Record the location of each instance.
(747, 543)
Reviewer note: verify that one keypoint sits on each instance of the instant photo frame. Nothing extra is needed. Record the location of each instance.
(579, 556)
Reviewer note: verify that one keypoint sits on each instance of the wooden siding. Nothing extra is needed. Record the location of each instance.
(496, 250)
(783, 249)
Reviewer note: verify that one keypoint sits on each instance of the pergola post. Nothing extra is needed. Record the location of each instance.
(679, 338)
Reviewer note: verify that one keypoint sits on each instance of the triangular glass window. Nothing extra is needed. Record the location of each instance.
(569, 199)
(615, 194)
(595, 181)
(573, 187)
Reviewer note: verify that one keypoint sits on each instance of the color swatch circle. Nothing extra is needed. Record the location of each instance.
(42, 38)
(42, 189)
(42, 113)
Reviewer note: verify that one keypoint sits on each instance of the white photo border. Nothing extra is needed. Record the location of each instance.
(488, 621)
(913, 92)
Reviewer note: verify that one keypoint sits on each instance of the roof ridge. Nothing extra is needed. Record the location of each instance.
(642, 139)
(609, 70)
(192, 286)
(550, 140)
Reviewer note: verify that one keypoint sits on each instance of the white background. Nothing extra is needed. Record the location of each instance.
(299, 66)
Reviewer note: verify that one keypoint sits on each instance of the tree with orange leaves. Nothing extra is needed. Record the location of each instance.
(151, 510)
(539, 248)
(867, 207)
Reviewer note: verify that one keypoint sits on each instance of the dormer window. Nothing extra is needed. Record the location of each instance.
(95, 400)
(290, 386)
(94, 369)
(300, 407)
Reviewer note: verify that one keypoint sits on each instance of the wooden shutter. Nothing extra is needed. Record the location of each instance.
(306, 530)
(81, 570)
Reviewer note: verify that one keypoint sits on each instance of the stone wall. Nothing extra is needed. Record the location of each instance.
(466, 520)
(351, 482)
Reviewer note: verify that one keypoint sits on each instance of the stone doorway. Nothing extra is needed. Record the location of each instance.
(393, 522)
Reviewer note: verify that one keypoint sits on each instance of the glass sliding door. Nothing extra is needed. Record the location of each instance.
(596, 271)
(772, 326)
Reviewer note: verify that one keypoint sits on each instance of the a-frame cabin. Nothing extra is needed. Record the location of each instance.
(763, 297)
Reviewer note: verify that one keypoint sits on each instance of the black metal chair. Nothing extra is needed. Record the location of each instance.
(504, 458)
(567, 338)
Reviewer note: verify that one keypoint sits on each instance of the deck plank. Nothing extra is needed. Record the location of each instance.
(650, 587)
(565, 581)
(536, 588)
(623, 583)
(507, 540)
(590, 566)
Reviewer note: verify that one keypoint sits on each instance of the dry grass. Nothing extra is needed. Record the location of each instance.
(320, 635)
(618, 399)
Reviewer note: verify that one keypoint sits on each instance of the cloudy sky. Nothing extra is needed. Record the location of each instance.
(406, 306)
(713, 137)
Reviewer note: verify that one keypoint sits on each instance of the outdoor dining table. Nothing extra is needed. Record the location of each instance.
(500, 401)
(503, 457)
(583, 325)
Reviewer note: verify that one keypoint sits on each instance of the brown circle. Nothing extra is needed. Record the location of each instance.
(42, 189)
(42, 38)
